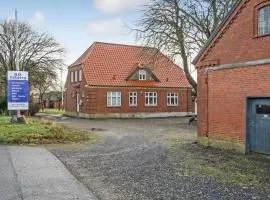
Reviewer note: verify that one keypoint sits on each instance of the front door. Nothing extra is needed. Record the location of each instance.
(77, 102)
(258, 120)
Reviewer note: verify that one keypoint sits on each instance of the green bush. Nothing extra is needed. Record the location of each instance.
(3, 105)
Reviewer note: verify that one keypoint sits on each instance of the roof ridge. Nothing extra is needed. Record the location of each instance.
(85, 54)
(121, 44)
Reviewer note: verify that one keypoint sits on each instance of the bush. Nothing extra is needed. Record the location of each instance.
(3, 105)
(34, 109)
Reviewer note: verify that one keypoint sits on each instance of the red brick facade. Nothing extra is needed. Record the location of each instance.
(92, 95)
(95, 100)
(223, 91)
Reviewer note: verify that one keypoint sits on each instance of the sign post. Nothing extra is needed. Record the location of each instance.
(18, 90)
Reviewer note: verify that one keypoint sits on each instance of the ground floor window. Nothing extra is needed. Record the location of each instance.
(113, 99)
(150, 99)
(172, 99)
(133, 99)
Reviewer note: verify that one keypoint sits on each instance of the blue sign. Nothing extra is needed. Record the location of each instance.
(18, 90)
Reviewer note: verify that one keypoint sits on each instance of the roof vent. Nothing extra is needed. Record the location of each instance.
(114, 77)
(167, 79)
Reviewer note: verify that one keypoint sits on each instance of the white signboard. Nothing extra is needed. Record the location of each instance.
(18, 90)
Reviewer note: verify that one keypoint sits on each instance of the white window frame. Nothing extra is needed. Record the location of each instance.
(111, 95)
(76, 76)
(172, 99)
(149, 95)
(133, 99)
(72, 76)
(80, 75)
(142, 75)
(264, 21)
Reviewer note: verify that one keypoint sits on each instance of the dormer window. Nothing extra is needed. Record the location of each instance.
(142, 74)
(264, 21)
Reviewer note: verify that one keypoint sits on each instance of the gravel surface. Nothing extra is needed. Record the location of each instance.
(133, 162)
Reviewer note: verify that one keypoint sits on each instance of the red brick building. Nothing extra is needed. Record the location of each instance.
(234, 80)
(52, 100)
(115, 80)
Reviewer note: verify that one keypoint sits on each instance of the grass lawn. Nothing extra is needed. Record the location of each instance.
(251, 171)
(52, 111)
(41, 132)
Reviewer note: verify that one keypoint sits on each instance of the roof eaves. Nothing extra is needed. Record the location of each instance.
(215, 33)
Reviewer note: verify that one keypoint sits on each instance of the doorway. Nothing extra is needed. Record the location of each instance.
(258, 125)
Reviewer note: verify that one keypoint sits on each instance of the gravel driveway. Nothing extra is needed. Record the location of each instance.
(133, 162)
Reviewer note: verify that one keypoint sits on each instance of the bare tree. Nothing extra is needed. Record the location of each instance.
(181, 27)
(39, 54)
(43, 84)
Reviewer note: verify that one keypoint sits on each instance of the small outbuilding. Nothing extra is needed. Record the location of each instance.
(234, 80)
(125, 81)
(52, 100)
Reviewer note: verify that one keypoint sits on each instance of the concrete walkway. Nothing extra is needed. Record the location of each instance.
(28, 173)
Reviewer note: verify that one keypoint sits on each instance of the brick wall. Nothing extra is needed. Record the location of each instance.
(72, 89)
(95, 101)
(238, 41)
(227, 93)
(202, 102)
(222, 94)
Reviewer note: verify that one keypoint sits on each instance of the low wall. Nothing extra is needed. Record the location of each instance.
(129, 115)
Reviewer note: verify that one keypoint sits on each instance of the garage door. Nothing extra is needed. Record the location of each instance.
(258, 125)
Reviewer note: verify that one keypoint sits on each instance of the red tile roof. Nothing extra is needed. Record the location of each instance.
(106, 64)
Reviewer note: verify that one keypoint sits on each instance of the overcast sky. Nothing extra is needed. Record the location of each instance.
(77, 23)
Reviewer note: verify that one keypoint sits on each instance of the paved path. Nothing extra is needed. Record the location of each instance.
(28, 173)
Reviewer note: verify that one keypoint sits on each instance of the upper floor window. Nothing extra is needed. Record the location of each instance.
(71, 77)
(142, 74)
(172, 99)
(150, 99)
(76, 76)
(113, 99)
(80, 75)
(264, 21)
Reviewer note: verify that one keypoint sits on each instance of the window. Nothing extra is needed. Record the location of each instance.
(150, 99)
(264, 21)
(172, 99)
(76, 76)
(133, 99)
(71, 77)
(142, 74)
(263, 109)
(80, 75)
(113, 99)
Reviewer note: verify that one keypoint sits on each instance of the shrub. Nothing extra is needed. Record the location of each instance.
(3, 105)
(34, 109)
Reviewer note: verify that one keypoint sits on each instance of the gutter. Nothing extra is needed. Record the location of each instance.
(240, 65)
